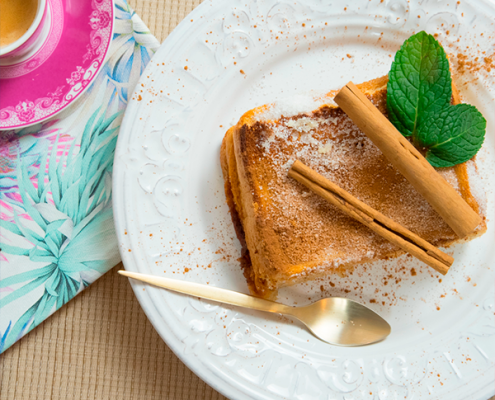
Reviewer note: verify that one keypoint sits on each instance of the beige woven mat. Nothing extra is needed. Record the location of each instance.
(101, 345)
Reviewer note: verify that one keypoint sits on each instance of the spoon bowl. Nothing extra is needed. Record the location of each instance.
(342, 321)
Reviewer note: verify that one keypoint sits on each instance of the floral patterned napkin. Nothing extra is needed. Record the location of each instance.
(56, 223)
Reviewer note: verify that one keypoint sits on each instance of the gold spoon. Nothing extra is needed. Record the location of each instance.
(334, 320)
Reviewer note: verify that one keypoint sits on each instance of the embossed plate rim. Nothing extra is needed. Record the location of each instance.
(149, 307)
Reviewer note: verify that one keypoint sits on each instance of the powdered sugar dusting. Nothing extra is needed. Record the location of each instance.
(303, 124)
(296, 105)
(476, 186)
(309, 230)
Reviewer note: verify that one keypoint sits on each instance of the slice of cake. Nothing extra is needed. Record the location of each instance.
(291, 235)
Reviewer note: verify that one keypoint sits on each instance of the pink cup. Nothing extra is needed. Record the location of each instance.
(31, 41)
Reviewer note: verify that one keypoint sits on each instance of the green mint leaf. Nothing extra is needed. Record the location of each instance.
(419, 83)
(452, 136)
(419, 92)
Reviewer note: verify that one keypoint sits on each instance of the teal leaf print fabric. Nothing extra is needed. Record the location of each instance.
(56, 222)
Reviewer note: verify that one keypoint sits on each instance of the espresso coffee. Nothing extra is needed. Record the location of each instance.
(16, 16)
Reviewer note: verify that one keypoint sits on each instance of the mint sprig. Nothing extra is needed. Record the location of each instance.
(419, 92)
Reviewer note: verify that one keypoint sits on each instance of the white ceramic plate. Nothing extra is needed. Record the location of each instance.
(171, 217)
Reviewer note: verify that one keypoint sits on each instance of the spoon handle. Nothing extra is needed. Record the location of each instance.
(211, 293)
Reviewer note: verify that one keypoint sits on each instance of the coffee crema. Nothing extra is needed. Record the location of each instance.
(16, 16)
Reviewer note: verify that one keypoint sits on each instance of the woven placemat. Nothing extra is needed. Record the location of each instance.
(98, 346)
(101, 345)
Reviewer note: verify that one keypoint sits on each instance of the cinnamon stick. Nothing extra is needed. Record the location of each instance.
(373, 219)
(409, 161)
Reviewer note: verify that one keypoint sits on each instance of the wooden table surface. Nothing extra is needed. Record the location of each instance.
(101, 345)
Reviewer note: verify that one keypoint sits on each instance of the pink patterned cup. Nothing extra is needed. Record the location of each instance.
(31, 41)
